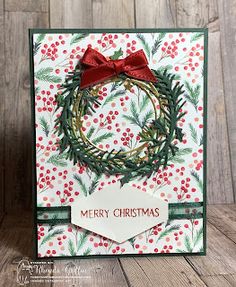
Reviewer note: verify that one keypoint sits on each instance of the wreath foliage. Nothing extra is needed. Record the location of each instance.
(158, 136)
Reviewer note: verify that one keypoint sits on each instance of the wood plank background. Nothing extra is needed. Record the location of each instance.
(15, 129)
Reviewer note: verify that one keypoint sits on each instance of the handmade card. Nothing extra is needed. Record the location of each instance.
(119, 121)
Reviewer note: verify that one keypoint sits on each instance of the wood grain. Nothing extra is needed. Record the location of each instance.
(13, 219)
(15, 245)
(18, 139)
(26, 5)
(161, 15)
(71, 14)
(2, 111)
(223, 216)
(113, 14)
(88, 14)
(227, 13)
(165, 272)
(218, 160)
(93, 272)
(196, 13)
(220, 280)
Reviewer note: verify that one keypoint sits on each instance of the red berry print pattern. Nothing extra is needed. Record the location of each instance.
(116, 124)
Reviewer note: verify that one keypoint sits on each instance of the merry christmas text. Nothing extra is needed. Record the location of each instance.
(119, 212)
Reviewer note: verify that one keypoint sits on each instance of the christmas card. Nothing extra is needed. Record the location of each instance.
(119, 127)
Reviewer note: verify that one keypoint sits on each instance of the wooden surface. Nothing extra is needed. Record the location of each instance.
(2, 94)
(216, 269)
(17, 16)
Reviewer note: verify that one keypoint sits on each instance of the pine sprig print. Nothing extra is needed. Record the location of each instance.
(37, 89)
(44, 74)
(38, 43)
(191, 244)
(51, 235)
(81, 184)
(132, 241)
(87, 251)
(51, 226)
(144, 103)
(94, 184)
(112, 97)
(180, 250)
(168, 68)
(44, 125)
(115, 85)
(90, 132)
(145, 44)
(198, 180)
(201, 140)
(157, 43)
(101, 138)
(168, 231)
(133, 109)
(87, 190)
(193, 133)
(131, 119)
(134, 118)
(178, 157)
(71, 248)
(187, 243)
(58, 160)
(147, 117)
(78, 37)
(40, 38)
(198, 236)
(193, 94)
(196, 37)
(82, 239)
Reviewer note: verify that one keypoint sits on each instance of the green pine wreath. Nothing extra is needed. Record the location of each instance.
(157, 137)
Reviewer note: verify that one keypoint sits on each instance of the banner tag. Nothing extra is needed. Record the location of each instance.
(119, 213)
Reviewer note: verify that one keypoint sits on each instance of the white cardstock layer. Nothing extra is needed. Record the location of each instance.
(119, 213)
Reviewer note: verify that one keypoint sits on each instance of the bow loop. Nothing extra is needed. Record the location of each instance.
(136, 60)
(93, 58)
(98, 69)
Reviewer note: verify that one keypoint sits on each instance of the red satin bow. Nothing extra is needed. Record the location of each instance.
(98, 69)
